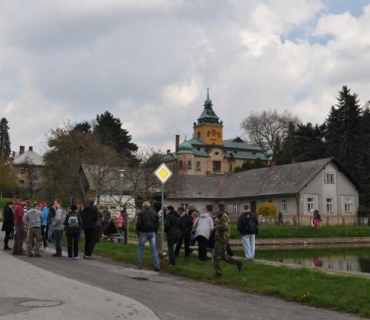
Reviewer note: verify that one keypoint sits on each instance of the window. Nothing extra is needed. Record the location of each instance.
(216, 166)
(348, 207)
(329, 205)
(197, 168)
(21, 183)
(180, 164)
(310, 204)
(283, 205)
(189, 164)
(329, 178)
(22, 170)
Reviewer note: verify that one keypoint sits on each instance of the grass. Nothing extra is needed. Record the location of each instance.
(308, 286)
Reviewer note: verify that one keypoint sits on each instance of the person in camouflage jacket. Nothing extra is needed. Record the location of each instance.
(222, 235)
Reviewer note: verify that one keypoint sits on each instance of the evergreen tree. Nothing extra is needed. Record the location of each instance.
(4, 138)
(110, 132)
(344, 132)
(82, 126)
(364, 160)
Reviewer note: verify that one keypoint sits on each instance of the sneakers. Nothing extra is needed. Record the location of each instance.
(89, 257)
(157, 269)
(37, 255)
(77, 258)
(30, 255)
(138, 267)
(217, 276)
(69, 258)
(57, 255)
(46, 249)
(7, 248)
(239, 265)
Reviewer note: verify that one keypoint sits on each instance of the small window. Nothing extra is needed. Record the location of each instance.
(180, 164)
(283, 205)
(216, 153)
(22, 170)
(216, 166)
(21, 183)
(329, 178)
(348, 207)
(310, 204)
(329, 205)
(189, 164)
(197, 168)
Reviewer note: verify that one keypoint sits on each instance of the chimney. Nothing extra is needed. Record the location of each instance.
(30, 148)
(177, 143)
(21, 150)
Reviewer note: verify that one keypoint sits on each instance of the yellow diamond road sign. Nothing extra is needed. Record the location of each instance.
(163, 173)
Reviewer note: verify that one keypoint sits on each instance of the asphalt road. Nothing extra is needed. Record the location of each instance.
(105, 289)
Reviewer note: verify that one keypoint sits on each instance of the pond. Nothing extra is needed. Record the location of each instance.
(337, 259)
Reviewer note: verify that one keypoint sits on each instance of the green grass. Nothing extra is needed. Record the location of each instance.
(308, 286)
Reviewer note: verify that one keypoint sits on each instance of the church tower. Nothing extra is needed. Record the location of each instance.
(208, 128)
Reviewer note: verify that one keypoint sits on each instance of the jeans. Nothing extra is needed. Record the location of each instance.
(90, 241)
(58, 239)
(143, 237)
(18, 240)
(249, 244)
(72, 244)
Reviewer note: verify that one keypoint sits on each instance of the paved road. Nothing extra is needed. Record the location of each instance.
(105, 289)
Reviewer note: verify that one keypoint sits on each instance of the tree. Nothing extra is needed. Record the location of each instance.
(69, 149)
(110, 132)
(4, 139)
(344, 131)
(262, 129)
(267, 209)
(7, 178)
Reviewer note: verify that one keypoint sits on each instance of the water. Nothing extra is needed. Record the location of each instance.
(337, 259)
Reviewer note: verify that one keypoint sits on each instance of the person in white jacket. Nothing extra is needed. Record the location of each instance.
(203, 228)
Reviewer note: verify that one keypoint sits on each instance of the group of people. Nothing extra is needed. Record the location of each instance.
(187, 227)
(38, 224)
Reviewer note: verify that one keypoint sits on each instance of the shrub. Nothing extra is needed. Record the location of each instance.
(267, 209)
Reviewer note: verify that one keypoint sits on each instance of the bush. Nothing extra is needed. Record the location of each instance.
(267, 209)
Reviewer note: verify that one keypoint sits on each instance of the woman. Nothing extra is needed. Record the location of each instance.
(120, 222)
(8, 223)
(202, 230)
(72, 224)
(317, 219)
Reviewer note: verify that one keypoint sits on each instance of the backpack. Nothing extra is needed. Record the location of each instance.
(250, 223)
(73, 222)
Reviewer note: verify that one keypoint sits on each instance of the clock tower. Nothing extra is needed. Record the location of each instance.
(208, 128)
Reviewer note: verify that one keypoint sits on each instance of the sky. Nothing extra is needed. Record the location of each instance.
(150, 62)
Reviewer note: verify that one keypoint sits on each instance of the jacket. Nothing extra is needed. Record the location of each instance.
(205, 223)
(173, 223)
(58, 220)
(18, 214)
(186, 224)
(242, 223)
(33, 218)
(147, 221)
(8, 223)
(89, 216)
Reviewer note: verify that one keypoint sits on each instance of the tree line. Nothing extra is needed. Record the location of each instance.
(344, 135)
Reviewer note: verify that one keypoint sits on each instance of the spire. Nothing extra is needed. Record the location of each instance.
(208, 101)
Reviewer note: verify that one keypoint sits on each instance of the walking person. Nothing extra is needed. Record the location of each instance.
(58, 227)
(72, 223)
(33, 219)
(222, 235)
(147, 225)
(202, 229)
(8, 223)
(89, 216)
(247, 225)
(19, 228)
(173, 230)
(186, 226)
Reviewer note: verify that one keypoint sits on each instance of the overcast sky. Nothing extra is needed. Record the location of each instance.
(150, 62)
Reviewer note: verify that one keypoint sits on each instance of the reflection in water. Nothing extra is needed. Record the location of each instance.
(339, 263)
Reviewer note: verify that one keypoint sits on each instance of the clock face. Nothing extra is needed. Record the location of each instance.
(213, 132)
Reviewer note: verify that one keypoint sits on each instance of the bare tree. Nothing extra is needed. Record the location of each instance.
(262, 129)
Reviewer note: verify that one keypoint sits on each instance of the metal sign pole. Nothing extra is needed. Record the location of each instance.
(162, 218)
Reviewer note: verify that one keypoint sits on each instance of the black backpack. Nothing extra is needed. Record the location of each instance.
(250, 223)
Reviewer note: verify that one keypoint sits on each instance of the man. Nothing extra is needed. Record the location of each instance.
(19, 227)
(222, 235)
(8, 223)
(33, 219)
(247, 226)
(147, 225)
(173, 230)
(89, 216)
(186, 225)
(58, 227)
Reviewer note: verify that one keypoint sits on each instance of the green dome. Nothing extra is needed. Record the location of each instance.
(185, 147)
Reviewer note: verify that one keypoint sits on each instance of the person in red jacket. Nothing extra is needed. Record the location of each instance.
(19, 227)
